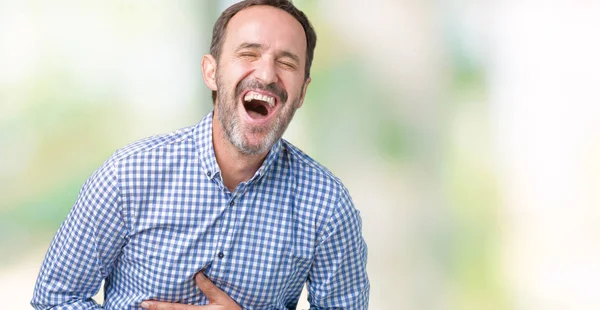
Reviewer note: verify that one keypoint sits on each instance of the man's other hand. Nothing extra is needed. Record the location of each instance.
(218, 299)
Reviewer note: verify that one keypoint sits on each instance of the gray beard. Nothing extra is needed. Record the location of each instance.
(234, 131)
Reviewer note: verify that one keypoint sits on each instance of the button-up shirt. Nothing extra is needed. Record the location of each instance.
(157, 212)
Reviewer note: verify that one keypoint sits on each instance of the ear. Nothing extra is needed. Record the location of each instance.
(209, 71)
(303, 92)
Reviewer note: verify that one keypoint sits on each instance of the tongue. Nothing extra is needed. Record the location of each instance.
(256, 109)
(255, 115)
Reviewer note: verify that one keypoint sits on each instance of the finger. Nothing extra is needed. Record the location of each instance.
(160, 305)
(212, 292)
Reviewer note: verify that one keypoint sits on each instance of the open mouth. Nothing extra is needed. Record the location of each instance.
(257, 105)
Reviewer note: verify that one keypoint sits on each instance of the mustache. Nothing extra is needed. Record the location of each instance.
(248, 83)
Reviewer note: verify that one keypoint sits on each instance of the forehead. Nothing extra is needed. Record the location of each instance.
(268, 26)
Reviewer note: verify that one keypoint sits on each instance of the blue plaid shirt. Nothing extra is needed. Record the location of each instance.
(157, 212)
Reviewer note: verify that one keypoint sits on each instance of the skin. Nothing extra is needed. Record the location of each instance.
(264, 47)
(218, 299)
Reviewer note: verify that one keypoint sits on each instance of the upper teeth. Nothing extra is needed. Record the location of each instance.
(256, 96)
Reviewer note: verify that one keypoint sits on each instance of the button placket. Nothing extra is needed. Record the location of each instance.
(224, 230)
(229, 237)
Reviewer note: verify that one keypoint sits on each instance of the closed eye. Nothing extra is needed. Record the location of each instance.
(248, 55)
(287, 65)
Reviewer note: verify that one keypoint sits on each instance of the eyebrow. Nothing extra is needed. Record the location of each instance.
(247, 45)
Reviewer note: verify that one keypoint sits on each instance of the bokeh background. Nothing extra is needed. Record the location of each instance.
(468, 133)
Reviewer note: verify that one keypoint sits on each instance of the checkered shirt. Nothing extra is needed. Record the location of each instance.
(157, 212)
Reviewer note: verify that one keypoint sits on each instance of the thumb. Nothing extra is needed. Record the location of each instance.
(212, 292)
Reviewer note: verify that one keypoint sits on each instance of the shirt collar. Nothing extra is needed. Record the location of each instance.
(206, 151)
(205, 148)
(269, 160)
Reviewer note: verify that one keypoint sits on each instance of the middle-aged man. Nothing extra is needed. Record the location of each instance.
(224, 214)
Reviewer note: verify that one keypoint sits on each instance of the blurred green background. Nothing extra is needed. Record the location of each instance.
(439, 116)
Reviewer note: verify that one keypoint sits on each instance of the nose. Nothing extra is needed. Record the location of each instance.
(265, 71)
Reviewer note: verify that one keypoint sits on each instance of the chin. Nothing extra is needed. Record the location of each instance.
(255, 144)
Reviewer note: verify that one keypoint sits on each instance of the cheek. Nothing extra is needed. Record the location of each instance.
(233, 72)
(294, 87)
(240, 69)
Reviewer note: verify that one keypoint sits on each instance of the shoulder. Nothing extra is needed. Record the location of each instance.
(311, 172)
(316, 186)
(321, 196)
(168, 142)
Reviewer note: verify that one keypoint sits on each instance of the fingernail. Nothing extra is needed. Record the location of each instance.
(201, 275)
(145, 305)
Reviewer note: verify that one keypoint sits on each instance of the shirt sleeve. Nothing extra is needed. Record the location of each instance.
(338, 278)
(85, 247)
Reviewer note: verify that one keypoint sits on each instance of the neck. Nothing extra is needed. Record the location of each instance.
(236, 167)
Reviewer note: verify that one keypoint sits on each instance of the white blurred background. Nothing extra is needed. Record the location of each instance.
(468, 133)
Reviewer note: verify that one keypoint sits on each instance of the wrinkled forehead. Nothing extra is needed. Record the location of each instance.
(270, 27)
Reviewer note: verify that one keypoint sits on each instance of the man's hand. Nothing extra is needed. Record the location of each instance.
(218, 299)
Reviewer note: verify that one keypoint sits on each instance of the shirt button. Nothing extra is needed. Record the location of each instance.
(231, 203)
(208, 174)
(221, 255)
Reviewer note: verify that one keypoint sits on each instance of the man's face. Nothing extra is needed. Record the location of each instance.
(260, 77)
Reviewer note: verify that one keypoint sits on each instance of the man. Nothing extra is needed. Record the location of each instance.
(225, 214)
